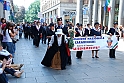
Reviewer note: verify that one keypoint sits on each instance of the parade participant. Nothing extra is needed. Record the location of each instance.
(50, 32)
(59, 24)
(96, 31)
(87, 30)
(65, 31)
(76, 27)
(37, 32)
(66, 27)
(80, 33)
(113, 31)
(29, 31)
(56, 55)
(44, 32)
(26, 30)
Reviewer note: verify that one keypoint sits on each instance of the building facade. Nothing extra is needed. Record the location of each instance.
(1, 9)
(84, 11)
(6, 9)
(52, 9)
(96, 11)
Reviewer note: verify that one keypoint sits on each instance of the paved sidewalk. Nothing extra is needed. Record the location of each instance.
(85, 70)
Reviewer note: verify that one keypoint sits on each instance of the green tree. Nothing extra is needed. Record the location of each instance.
(19, 13)
(32, 12)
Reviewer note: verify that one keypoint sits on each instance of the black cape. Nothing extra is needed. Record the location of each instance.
(53, 50)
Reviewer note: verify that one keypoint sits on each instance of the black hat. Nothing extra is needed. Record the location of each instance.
(59, 19)
(67, 21)
(51, 25)
(77, 24)
(96, 23)
(80, 25)
(115, 23)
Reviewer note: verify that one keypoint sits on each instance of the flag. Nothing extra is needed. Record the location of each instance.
(107, 5)
(8, 6)
(1, 1)
(84, 11)
(5, 5)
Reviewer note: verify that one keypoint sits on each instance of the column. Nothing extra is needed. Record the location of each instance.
(1, 9)
(104, 14)
(111, 14)
(79, 16)
(90, 11)
(47, 17)
(61, 14)
(95, 11)
(121, 13)
(100, 12)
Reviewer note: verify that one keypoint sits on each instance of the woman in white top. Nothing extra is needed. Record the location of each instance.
(8, 34)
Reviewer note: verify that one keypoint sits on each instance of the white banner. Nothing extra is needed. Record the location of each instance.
(95, 43)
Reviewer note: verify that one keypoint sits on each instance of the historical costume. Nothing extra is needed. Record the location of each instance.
(113, 31)
(65, 31)
(56, 55)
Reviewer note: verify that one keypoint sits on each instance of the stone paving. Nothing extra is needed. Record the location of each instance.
(85, 70)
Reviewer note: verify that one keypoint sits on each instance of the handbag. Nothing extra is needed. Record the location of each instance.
(1, 37)
(14, 40)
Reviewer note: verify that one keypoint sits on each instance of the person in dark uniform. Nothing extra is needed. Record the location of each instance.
(56, 55)
(44, 32)
(37, 32)
(113, 31)
(59, 24)
(33, 26)
(66, 27)
(50, 32)
(88, 30)
(81, 32)
(29, 31)
(96, 31)
(26, 31)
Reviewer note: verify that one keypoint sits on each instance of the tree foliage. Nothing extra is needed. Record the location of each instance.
(19, 13)
(32, 12)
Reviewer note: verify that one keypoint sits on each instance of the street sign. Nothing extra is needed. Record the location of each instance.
(39, 14)
(70, 13)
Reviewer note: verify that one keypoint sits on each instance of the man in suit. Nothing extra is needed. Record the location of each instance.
(113, 31)
(37, 32)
